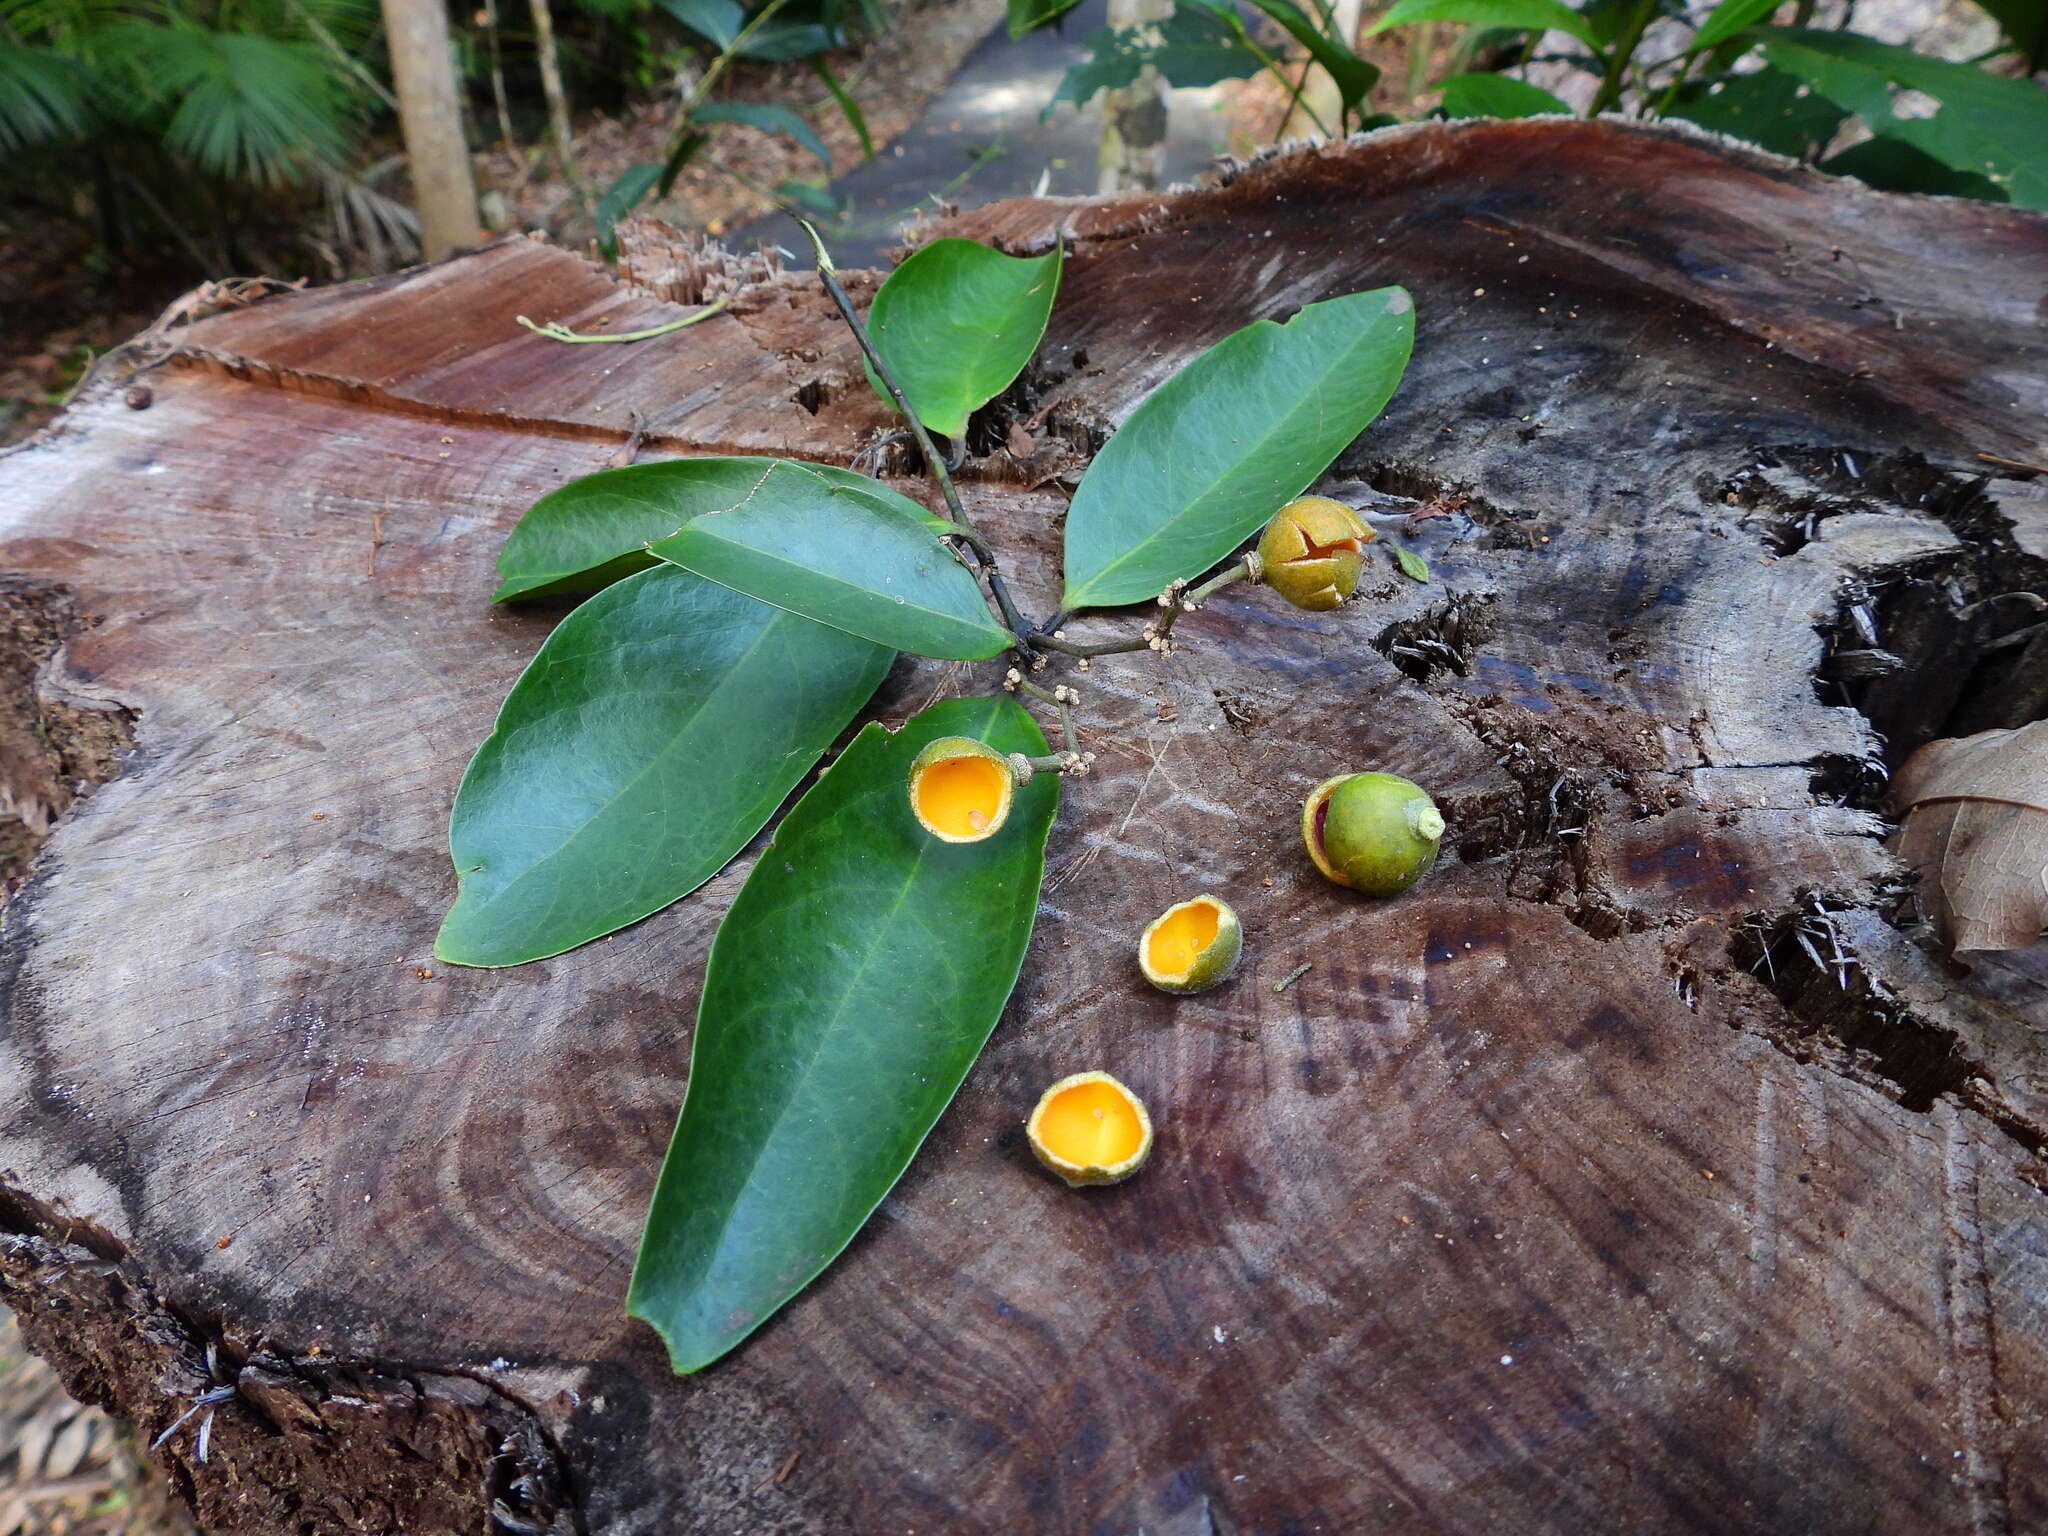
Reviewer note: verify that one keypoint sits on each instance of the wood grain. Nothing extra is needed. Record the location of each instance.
(1567, 1193)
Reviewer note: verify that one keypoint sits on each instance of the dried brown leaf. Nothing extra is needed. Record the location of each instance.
(1976, 832)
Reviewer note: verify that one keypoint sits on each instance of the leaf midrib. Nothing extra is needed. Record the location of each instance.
(1157, 534)
(781, 616)
(700, 1281)
(979, 361)
(958, 621)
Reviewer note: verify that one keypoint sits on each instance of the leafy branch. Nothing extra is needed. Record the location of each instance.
(745, 611)
(1989, 138)
(935, 464)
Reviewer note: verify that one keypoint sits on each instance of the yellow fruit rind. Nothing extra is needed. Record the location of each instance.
(961, 789)
(1375, 832)
(1090, 1129)
(1312, 552)
(1192, 946)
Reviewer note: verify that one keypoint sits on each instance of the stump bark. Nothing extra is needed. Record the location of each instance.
(1645, 1169)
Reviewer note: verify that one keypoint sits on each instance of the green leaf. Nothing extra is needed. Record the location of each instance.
(1353, 76)
(2025, 22)
(1029, 15)
(1768, 107)
(620, 199)
(686, 147)
(716, 21)
(1413, 566)
(862, 559)
(1497, 96)
(767, 117)
(957, 322)
(1988, 126)
(594, 530)
(1512, 15)
(1729, 18)
(789, 40)
(1894, 162)
(242, 106)
(805, 195)
(1193, 47)
(848, 107)
(637, 753)
(43, 96)
(1221, 446)
(850, 988)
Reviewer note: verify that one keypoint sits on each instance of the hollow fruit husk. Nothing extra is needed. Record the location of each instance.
(1090, 1129)
(961, 789)
(1192, 946)
(1374, 832)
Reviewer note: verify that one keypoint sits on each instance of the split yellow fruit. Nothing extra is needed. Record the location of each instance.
(1090, 1129)
(1312, 552)
(961, 789)
(1375, 832)
(1193, 946)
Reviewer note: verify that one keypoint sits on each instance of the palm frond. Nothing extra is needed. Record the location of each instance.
(379, 231)
(44, 97)
(241, 107)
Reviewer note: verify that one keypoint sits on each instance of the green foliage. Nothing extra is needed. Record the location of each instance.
(1496, 96)
(957, 322)
(769, 118)
(178, 122)
(245, 92)
(625, 194)
(848, 107)
(1989, 139)
(1770, 107)
(2025, 23)
(729, 27)
(1988, 126)
(1237, 433)
(240, 107)
(1202, 42)
(1354, 77)
(1511, 15)
(634, 758)
(849, 990)
(596, 529)
(1029, 15)
(1193, 46)
(1729, 18)
(867, 561)
(767, 33)
(42, 97)
(864, 963)
(1895, 162)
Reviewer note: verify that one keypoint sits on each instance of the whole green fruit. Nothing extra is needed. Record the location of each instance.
(1375, 832)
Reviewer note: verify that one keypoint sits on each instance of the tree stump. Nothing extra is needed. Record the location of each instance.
(1642, 1170)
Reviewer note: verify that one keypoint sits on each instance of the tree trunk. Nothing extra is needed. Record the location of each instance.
(430, 113)
(1635, 1172)
(1132, 153)
(560, 129)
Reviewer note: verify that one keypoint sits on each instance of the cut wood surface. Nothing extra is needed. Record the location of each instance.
(1636, 1172)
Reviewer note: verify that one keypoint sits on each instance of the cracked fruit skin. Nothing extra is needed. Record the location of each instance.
(961, 789)
(1090, 1129)
(1192, 946)
(1375, 832)
(1313, 551)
